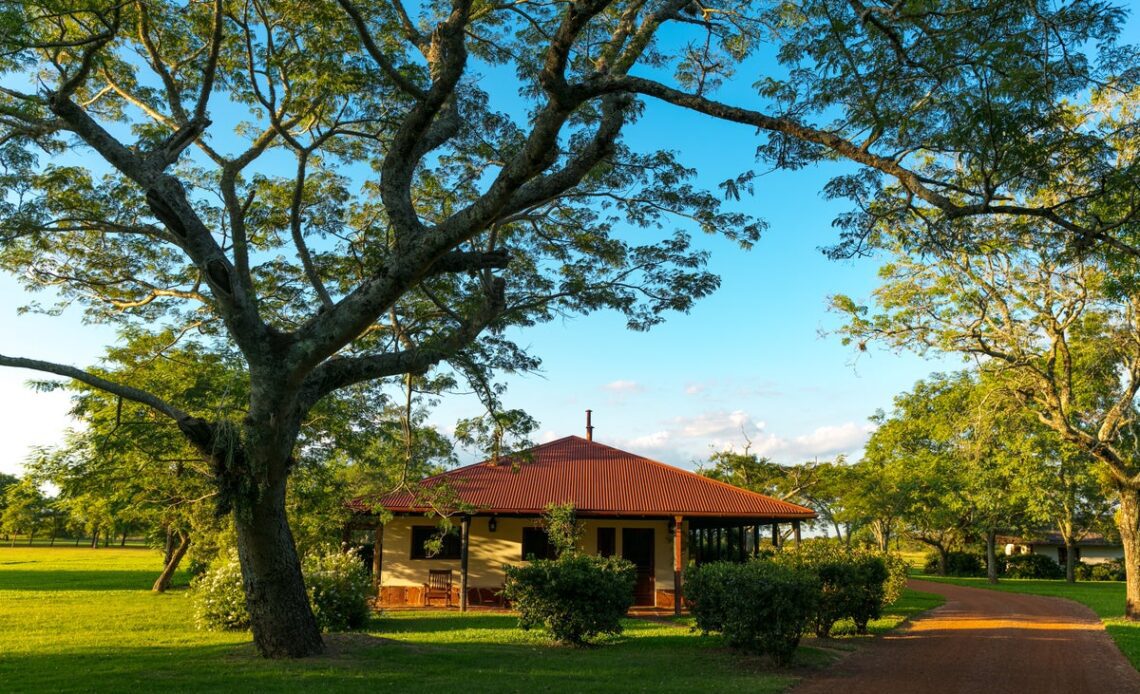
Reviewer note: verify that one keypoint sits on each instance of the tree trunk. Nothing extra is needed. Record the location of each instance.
(882, 532)
(1128, 521)
(991, 556)
(123, 543)
(31, 536)
(1070, 560)
(54, 532)
(282, 621)
(172, 563)
(95, 538)
(943, 560)
(168, 550)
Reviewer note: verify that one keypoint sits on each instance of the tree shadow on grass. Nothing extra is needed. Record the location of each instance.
(41, 580)
(359, 662)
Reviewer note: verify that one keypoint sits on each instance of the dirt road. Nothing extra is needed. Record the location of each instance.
(986, 642)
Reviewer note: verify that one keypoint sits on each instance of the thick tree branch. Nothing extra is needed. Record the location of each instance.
(124, 391)
(914, 183)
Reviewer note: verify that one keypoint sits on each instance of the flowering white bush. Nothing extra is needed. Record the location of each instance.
(338, 589)
(219, 599)
(337, 584)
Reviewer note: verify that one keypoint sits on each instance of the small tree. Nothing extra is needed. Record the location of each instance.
(562, 527)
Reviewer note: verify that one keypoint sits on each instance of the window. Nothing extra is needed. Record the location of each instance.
(607, 542)
(423, 534)
(536, 545)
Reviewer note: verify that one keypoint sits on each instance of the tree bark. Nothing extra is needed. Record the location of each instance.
(281, 619)
(882, 532)
(95, 539)
(172, 563)
(1128, 521)
(991, 556)
(1070, 560)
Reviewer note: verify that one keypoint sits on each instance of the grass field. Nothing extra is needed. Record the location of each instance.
(79, 619)
(1106, 598)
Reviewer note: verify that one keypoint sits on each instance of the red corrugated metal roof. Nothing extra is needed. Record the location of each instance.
(598, 480)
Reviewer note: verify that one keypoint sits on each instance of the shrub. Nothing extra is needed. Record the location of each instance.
(853, 583)
(1083, 571)
(218, 596)
(1032, 566)
(898, 572)
(1108, 571)
(957, 564)
(760, 606)
(705, 587)
(338, 589)
(575, 597)
(868, 590)
(337, 585)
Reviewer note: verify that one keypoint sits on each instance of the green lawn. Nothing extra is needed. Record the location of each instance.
(1106, 598)
(81, 619)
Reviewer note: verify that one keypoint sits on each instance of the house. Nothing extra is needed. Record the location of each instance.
(655, 515)
(1092, 548)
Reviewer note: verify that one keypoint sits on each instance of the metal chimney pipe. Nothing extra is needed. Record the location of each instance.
(589, 427)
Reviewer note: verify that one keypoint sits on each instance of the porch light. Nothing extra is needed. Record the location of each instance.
(492, 524)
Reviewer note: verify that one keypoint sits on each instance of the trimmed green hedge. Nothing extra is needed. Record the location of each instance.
(759, 606)
(575, 597)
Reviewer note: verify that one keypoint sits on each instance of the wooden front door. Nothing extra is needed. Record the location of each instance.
(637, 547)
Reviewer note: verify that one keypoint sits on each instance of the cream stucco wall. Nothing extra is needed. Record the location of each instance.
(489, 551)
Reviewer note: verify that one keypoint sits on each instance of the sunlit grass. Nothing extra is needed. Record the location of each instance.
(76, 619)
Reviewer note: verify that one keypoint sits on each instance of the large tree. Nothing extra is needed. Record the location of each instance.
(328, 188)
(1059, 330)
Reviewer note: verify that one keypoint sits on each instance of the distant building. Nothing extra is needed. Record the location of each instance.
(1093, 548)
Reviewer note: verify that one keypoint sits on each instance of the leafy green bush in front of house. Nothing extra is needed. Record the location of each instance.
(575, 597)
(1031, 566)
(957, 564)
(218, 596)
(705, 586)
(338, 589)
(760, 606)
(853, 583)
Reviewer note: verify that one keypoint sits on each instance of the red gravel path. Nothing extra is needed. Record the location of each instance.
(986, 642)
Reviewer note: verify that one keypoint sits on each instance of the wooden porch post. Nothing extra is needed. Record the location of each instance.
(465, 532)
(775, 534)
(796, 532)
(377, 557)
(678, 594)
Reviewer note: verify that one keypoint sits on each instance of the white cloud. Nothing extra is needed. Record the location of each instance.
(686, 439)
(824, 441)
(623, 387)
(716, 425)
